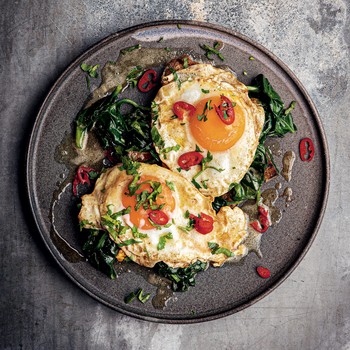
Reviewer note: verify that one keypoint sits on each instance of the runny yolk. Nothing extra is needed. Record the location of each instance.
(140, 217)
(213, 134)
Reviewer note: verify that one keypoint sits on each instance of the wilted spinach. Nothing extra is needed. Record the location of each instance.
(181, 278)
(121, 125)
(100, 251)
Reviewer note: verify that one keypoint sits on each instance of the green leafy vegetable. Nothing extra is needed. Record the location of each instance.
(100, 251)
(278, 121)
(121, 126)
(181, 278)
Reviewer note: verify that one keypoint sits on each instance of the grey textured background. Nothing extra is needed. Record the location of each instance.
(41, 308)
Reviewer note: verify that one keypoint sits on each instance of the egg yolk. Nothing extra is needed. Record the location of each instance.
(140, 216)
(210, 132)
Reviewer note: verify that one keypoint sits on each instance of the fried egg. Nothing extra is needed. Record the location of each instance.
(228, 148)
(188, 229)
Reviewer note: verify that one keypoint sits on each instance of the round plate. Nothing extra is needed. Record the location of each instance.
(218, 292)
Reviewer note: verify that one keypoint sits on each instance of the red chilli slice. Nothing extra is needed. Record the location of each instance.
(203, 224)
(264, 222)
(81, 177)
(306, 149)
(147, 80)
(180, 107)
(189, 159)
(158, 217)
(225, 111)
(263, 272)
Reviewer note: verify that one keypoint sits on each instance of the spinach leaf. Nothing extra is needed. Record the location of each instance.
(181, 278)
(122, 126)
(100, 251)
(278, 121)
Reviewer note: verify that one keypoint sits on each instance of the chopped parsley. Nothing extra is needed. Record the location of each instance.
(170, 185)
(206, 108)
(185, 62)
(204, 162)
(176, 77)
(216, 249)
(139, 294)
(163, 239)
(134, 75)
(128, 242)
(131, 48)
(90, 70)
(212, 50)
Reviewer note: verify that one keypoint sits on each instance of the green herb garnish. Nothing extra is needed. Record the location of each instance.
(215, 249)
(170, 185)
(134, 75)
(90, 70)
(131, 48)
(185, 62)
(211, 50)
(163, 239)
(176, 77)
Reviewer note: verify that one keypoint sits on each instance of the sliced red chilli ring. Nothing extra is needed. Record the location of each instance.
(81, 177)
(189, 159)
(306, 149)
(158, 217)
(203, 224)
(263, 272)
(263, 223)
(225, 111)
(227, 101)
(180, 107)
(147, 80)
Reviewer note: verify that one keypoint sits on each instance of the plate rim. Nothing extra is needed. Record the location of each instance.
(30, 155)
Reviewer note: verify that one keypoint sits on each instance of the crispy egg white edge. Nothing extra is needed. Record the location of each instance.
(230, 227)
(181, 135)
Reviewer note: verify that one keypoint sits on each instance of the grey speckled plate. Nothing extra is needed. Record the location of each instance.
(218, 292)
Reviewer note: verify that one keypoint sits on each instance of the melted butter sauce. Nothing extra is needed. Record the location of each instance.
(67, 250)
(288, 162)
(164, 292)
(115, 73)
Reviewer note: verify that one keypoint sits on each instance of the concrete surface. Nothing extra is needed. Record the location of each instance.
(41, 308)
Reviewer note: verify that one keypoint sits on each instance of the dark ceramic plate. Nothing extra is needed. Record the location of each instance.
(220, 291)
